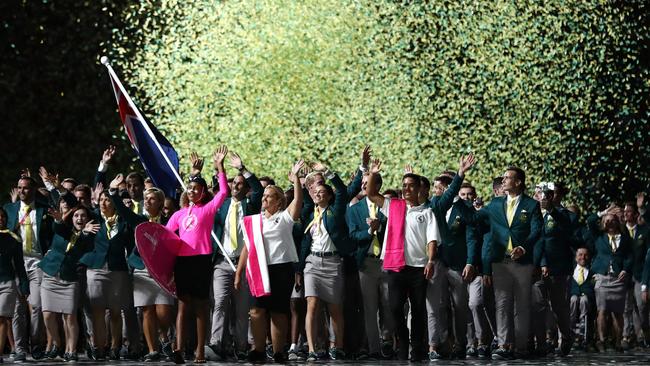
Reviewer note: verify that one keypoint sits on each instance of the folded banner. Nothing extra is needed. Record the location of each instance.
(158, 247)
(156, 153)
(257, 272)
(395, 238)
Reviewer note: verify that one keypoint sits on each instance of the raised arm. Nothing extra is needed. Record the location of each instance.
(296, 204)
(131, 218)
(217, 158)
(256, 189)
(372, 189)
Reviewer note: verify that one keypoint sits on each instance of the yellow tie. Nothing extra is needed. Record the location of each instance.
(376, 247)
(29, 230)
(581, 276)
(73, 241)
(631, 230)
(136, 206)
(316, 221)
(612, 242)
(510, 214)
(110, 222)
(232, 221)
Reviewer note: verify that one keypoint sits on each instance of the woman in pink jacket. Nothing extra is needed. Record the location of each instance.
(193, 270)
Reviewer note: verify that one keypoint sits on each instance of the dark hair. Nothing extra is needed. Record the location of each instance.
(444, 179)
(497, 182)
(267, 179)
(391, 192)
(633, 205)
(245, 181)
(68, 218)
(424, 181)
(415, 177)
(135, 175)
(32, 181)
(520, 174)
(467, 185)
(449, 173)
(207, 195)
(70, 180)
(378, 179)
(329, 190)
(83, 188)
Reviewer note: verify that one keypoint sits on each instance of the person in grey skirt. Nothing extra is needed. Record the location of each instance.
(107, 277)
(156, 303)
(612, 263)
(325, 240)
(11, 266)
(60, 287)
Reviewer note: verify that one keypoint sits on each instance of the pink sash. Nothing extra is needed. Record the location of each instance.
(395, 236)
(257, 272)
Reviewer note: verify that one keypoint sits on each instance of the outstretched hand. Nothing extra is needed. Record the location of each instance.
(408, 169)
(365, 156)
(466, 163)
(91, 228)
(197, 164)
(108, 154)
(375, 166)
(319, 167)
(235, 161)
(115, 183)
(295, 170)
(218, 157)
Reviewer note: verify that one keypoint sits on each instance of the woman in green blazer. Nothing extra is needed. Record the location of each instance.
(60, 287)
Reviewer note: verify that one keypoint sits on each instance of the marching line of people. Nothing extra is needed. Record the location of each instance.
(324, 269)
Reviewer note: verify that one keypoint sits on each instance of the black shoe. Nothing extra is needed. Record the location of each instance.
(434, 356)
(70, 357)
(336, 354)
(280, 357)
(566, 346)
(177, 357)
(114, 354)
(471, 352)
(256, 356)
(152, 357)
(20, 357)
(37, 354)
(97, 354)
(269, 351)
(482, 352)
(459, 353)
(502, 354)
(387, 350)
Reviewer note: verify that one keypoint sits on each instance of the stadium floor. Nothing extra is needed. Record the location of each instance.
(576, 358)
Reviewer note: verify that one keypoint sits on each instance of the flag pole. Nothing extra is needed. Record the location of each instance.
(105, 61)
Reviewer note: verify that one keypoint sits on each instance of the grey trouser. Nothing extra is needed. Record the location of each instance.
(512, 291)
(479, 297)
(550, 291)
(131, 326)
(229, 305)
(636, 314)
(437, 305)
(374, 290)
(583, 311)
(36, 332)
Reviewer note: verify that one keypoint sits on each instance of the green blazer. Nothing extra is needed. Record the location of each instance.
(356, 216)
(43, 223)
(111, 251)
(59, 262)
(526, 230)
(640, 245)
(459, 248)
(132, 219)
(441, 204)
(12, 264)
(250, 206)
(621, 260)
(557, 240)
(334, 222)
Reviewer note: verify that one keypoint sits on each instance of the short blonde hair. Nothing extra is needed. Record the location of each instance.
(158, 193)
(280, 193)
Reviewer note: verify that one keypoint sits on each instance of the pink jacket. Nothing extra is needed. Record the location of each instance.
(194, 223)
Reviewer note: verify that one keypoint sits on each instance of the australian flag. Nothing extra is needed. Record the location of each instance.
(156, 153)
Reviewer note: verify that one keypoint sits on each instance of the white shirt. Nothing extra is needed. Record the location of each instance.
(227, 246)
(321, 242)
(576, 272)
(32, 217)
(277, 232)
(420, 229)
(617, 241)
